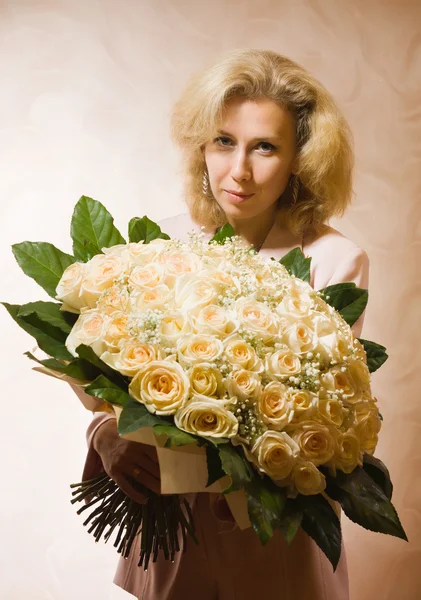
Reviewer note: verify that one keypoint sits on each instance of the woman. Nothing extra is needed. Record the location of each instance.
(266, 149)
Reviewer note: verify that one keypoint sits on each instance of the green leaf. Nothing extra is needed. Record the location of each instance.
(92, 228)
(78, 368)
(50, 312)
(227, 231)
(290, 521)
(236, 466)
(364, 502)
(265, 503)
(175, 437)
(296, 264)
(321, 523)
(87, 353)
(134, 416)
(50, 339)
(43, 262)
(379, 473)
(349, 300)
(376, 354)
(105, 389)
(215, 470)
(145, 230)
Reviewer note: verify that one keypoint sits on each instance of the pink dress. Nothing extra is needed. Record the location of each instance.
(231, 564)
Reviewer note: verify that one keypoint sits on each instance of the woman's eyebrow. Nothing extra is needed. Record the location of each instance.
(270, 138)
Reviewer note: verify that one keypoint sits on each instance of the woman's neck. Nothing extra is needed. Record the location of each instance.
(254, 231)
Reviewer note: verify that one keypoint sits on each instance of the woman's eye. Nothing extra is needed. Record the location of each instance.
(269, 147)
(225, 141)
(221, 139)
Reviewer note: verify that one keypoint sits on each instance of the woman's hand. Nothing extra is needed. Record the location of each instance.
(123, 459)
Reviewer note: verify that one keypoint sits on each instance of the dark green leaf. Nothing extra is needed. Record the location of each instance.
(236, 466)
(227, 231)
(349, 300)
(134, 416)
(42, 262)
(78, 368)
(265, 503)
(87, 353)
(213, 460)
(92, 228)
(364, 502)
(290, 521)
(296, 264)
(379, 473)
(145, 230)
(50, 312)
(175, 437)
(321, 523)
(50, 339)
(105, 389)
(376, 354)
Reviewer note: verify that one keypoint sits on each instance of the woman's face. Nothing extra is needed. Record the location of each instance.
(253, 155)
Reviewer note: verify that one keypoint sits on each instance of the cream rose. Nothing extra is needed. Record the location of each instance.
(179, 262)
(359, 372)
(243, 384)
(68, 288)
(283, 364)
(132, 357)
(147, 276)
(331, 411)
(116, 298)
(173, 327)
(273, 405)
(296, 303)
(257, 318)
(276, 454)
(138, 253)
(206, 417)
(303, 404)
(241, 354)
(162, 386)
(101, 272)
(89, 329)
(193, 292)
(206, 380)
(315, 442)
(215, 320)
(367, 425)
(340, 382)
(307, 478)
(197, 348)
(159, 297)
(348, 453)
(300, 338)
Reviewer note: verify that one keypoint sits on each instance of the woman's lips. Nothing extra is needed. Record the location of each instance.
(236, 198)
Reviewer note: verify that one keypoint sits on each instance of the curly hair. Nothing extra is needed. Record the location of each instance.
(323, 137)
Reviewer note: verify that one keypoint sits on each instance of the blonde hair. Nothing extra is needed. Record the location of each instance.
(323, 138)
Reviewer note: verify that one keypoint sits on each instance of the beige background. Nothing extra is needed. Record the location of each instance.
(86, 90)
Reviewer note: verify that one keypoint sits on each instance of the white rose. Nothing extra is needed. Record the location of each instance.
(283, 364)
(276, 454)
(101, 272)
(162, 386)
(147, 276)
(159, 297)
(179, 262)
(243, 384)
(206, 380)
(296, 303)
(257, 318)
(138, 253)
(89, 329)
(115, 298)
(132, 357)
(300, 338)
(173, 326)
(193, 293)
(68, 288)
(116, 331)
(206, 417)
(273, 405)
(307, 478)
(241, 354)
(315, 441)
(215, 320)
(197, 348)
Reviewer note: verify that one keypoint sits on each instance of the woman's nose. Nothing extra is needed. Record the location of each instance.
(241, 169)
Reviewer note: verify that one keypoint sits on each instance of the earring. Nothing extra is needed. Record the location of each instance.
(295, 185)
(205, 184)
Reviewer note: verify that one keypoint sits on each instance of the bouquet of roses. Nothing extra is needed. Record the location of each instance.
(210, 345)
